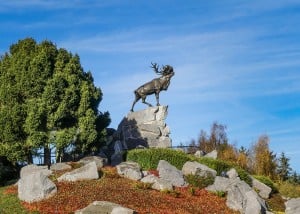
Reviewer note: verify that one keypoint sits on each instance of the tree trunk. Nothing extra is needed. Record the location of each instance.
(47, 156)
(29, 157)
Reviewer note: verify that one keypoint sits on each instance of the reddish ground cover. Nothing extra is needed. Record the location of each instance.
(72, 196)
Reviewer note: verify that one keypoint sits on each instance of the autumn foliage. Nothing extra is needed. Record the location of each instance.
(72, 196)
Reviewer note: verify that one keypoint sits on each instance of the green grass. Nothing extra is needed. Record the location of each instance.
(9, 203)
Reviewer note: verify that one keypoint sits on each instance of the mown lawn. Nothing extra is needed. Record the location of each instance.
(9, 202)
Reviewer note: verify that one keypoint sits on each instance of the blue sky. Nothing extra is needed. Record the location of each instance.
(236, 62)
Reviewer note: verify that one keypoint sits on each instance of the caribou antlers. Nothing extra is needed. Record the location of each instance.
(155, 68)
(163, 71)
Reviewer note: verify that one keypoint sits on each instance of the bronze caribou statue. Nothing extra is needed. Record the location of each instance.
(155, 86)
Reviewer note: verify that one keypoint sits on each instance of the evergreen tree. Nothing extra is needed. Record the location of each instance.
(47, 99)
(294, 178)
(283, 168)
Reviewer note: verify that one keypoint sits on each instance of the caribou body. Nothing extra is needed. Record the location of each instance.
(155, 86)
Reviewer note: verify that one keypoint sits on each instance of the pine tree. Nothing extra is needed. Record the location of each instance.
(283, 168)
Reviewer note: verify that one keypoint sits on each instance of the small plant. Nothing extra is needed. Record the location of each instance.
(142, 185)
(110, 172)
(199, 181)
(173, 193)
(221, 194)
(192, 190)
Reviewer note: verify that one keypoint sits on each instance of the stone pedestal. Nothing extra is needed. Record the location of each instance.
(146, 128)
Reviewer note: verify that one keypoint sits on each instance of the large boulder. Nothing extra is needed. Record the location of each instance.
(100, 162)
(35, 187)
(145, 128)
(32, 168)
(86, 172)
(130, 170)
(221, 184)
(171, 173)
(105, 207)
(292, 206)
(263, 190)
(196, 168)
(60, 166)
(240, 196)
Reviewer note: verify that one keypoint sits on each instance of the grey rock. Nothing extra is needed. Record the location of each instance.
(86, 172)
(130, 170)
(162, 184)
(213, 154)
(240, 195)
(157, 183)
(105, 207)
(149, 128)
(149, 179)
(35, 187)
(263, 190)
(232, 174)
(292, 206)
(221, 184)
(117, 156)
(60, 166)
(199, 153)
(254, 204)
(196, 168)
(235, 199)
(32, 168)
(100, 162)
(171, 173)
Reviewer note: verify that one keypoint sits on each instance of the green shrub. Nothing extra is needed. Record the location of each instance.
(276, 203)
(199, 181)
(267, 181)
(7, 173)
(149, 158)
